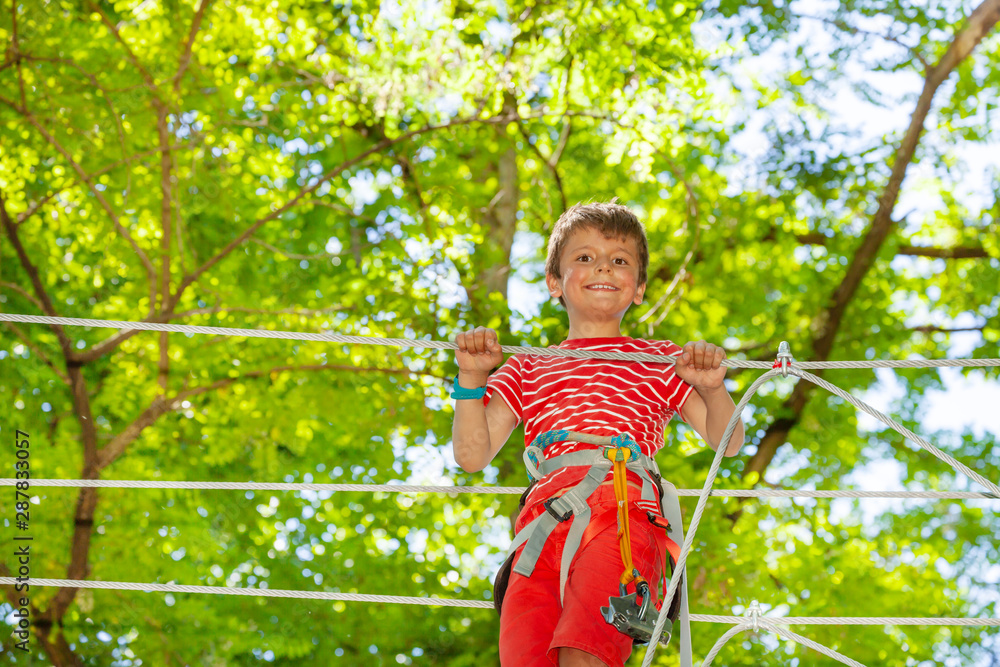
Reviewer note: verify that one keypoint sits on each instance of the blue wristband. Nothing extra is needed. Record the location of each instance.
(461, 392)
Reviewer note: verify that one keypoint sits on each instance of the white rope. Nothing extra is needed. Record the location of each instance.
(499, 490)
(444, 345)
(352, 340)
(689, 534)
(717, 462)
(261, 486)
(861, 405)
(787, 634)
(479, 604)
(253, 592)
(850, 620)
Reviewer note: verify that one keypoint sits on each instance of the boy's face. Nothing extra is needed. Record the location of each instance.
(600, 276)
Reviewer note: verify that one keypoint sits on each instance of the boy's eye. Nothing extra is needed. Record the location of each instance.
(621, 260)
(583, 257)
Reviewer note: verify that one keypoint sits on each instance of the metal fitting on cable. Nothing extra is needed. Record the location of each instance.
(784, 358)
(754, 613)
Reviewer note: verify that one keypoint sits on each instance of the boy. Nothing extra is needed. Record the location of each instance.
(596, 267)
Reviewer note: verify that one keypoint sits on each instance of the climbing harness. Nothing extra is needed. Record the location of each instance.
(631, 613)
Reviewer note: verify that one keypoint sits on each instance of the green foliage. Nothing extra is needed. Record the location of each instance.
(337, 166)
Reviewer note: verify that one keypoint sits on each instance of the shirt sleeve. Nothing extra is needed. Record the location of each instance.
(677, 390)
(506, 382)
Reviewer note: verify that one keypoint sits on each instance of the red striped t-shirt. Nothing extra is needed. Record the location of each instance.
(596, 396)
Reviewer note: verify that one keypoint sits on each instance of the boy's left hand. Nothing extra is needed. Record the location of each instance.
(700, 365)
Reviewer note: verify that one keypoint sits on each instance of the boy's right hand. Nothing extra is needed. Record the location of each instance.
(478, 353)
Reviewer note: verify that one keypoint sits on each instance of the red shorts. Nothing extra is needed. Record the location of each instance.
(533, 626)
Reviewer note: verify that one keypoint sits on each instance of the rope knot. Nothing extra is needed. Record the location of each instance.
(623, 448)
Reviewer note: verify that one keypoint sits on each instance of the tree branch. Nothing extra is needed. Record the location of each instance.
(43, 300)
(166, 225)
(239, 309)
(83, 519)
(24, 215)
(980, 22)
(843, 25)
(943, 253)
(929, 328)
(692, 220)
(143, 72)
(189, 43)
(112, 342)
(33, 208)
(160, 405)
(88, 179)
(37, 350)
(378, 147)
(960, 252)
(16, 48)
(107, 98)
(550, 162)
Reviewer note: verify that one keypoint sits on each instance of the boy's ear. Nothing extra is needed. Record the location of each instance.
(555, 289)
(639, 291)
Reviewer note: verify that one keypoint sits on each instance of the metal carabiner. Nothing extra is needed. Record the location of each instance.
(635, 619)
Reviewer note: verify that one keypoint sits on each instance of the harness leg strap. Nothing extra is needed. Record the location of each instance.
(573, 501)
(580, 522)
(581, 519)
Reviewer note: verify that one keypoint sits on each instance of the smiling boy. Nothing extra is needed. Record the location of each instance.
(596, 266)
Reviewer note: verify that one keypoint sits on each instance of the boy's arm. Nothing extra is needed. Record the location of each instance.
(709, 407)
(478, 431)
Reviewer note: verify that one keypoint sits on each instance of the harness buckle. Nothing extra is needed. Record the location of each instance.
(548, 508)
(634, 619)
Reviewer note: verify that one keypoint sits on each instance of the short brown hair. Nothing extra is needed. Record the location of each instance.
(610, 219)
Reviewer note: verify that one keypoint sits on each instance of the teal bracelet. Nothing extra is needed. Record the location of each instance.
(462, 393)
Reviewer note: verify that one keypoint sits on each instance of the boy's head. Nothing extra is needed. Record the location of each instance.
(611, 220)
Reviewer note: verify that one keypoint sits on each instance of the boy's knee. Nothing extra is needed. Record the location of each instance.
(574, 657)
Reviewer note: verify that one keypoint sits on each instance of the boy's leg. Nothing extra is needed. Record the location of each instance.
(530, 612)
(572, 657)
(593, 578)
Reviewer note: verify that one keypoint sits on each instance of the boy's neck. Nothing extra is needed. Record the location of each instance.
(594, 330)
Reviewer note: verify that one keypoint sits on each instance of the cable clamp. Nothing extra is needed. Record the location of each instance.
(754, 613)
(784, 358)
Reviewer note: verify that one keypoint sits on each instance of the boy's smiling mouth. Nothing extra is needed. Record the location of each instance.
(602, 286)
